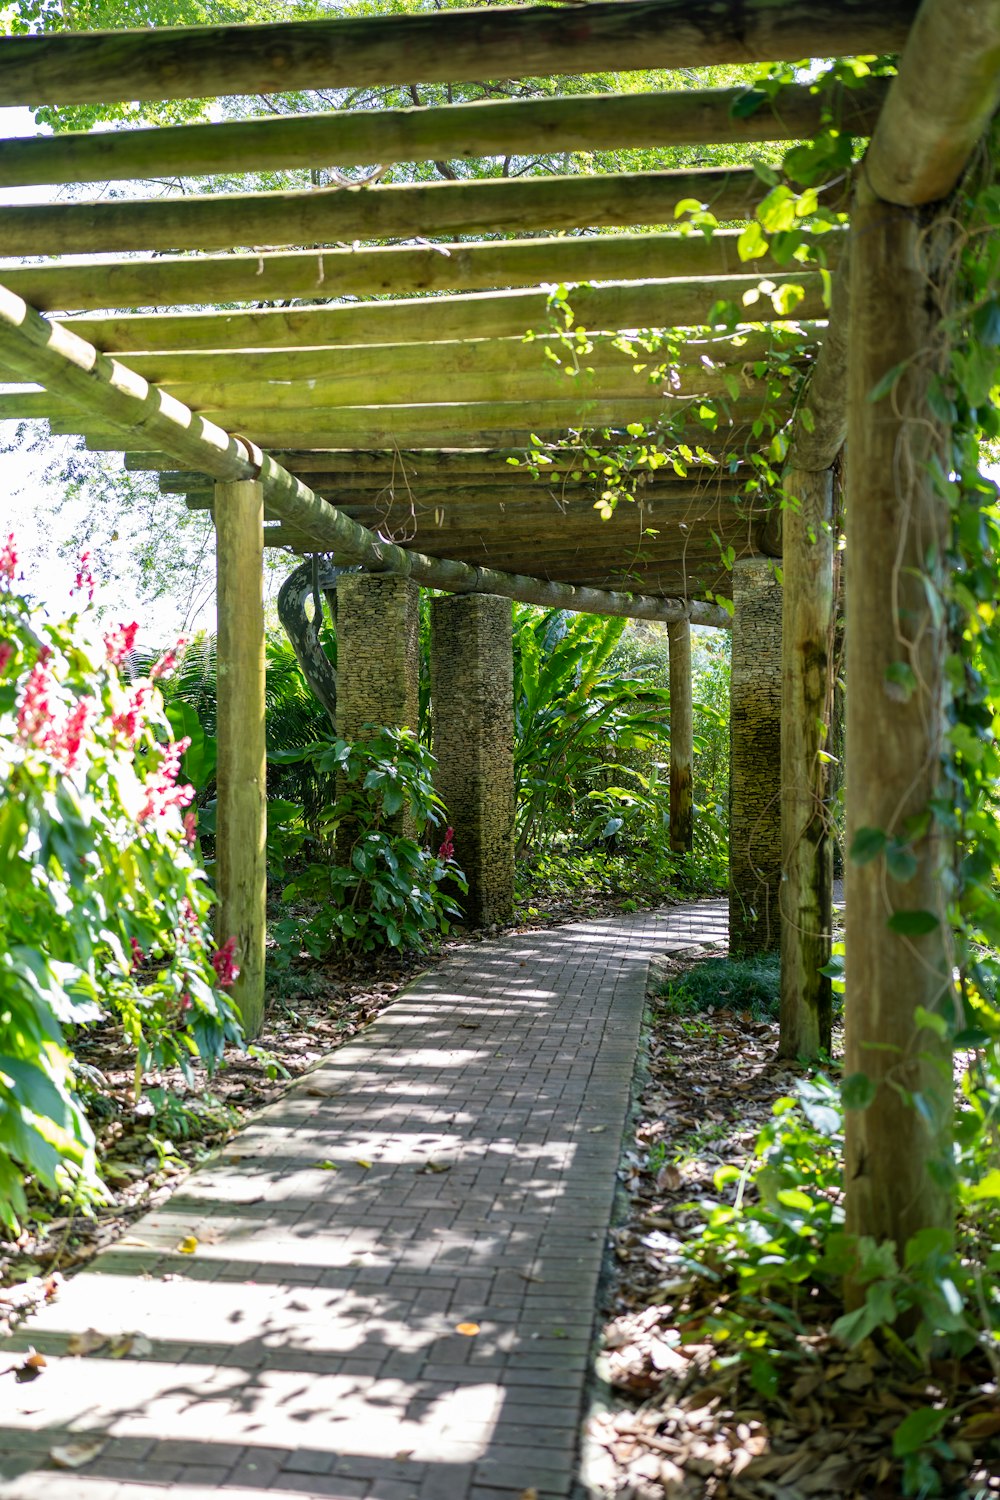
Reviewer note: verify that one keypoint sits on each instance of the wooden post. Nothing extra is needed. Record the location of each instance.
(242, 764)
(807, 865)
(681, 737)
(897, 1150)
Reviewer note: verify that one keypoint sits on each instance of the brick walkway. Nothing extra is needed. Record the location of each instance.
(310, 1345)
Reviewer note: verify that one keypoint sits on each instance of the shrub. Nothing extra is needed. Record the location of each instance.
(723, 983)
(103, 907)
(388, 892)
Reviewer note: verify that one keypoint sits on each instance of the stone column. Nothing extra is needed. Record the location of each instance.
(472, 708)
(378, 661)
(755, 759)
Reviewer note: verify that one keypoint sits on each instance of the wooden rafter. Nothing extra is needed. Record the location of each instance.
(172, 63)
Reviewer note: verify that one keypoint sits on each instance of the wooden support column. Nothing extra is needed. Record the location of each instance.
(242, 762)
(807, 632)
(755, 759)
(897, 643)
(472, 696)
(681, 737)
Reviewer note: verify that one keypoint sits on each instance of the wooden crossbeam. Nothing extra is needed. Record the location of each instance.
(33, 348)
(459, 487)
(332, 215)
(274, 276)
(587, 122)
(607, 376)
(191, 367)
(193, 62)
(509, 314)
(355, 468)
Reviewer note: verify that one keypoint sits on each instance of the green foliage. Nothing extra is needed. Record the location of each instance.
(103, 907)
(392, 891)
(740, 984)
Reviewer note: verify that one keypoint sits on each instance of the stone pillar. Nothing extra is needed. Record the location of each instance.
(472, 706)
(378, 662)
(755, 759)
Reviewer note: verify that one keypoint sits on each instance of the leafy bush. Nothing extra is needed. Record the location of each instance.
(103, 907)
(723, 983)
(389, 892)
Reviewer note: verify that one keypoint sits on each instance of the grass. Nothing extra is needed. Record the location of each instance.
(740, 984)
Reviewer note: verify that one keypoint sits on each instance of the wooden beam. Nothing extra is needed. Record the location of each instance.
(241, 774)
(806, 895)
(320, 216)
(424, 466)
(940, 102)
(202, 367)
(897, 651)
(609, 376)
(458, 132)
(193, 62)
(681, 738)
(33, 349)
(509, 314)
(509, 486)
(273, 276)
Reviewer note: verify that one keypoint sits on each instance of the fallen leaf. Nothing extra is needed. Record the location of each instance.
(30, 1367)
(529, 1494)
(75, 1455)
(365, 1164)
(326, 1166)
(468, 1329)
(136, 1344)
(86, 1342)
(985, 1424)
(433, 1166)
(188, 1245)
(403, 1455)
(596, 1129)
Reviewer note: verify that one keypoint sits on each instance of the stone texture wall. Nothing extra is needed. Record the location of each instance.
(378, 659)
(472, 707)
(755, 760)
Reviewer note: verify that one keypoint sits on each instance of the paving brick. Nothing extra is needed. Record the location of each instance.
(310, 1347)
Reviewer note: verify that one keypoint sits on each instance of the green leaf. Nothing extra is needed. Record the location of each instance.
(751, 244)
(917, 1429)
(900, 862)
(867, 844)
(888, 380)
(987, 1187)
(913, 923)
(858, 1091)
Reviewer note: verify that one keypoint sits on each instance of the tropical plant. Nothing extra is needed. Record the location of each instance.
(387, 888)
(104, 910)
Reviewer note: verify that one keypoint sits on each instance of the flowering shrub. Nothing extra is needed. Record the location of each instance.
(388, 891)
(103, 907)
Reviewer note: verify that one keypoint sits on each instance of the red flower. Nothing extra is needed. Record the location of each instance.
(84, 577)
(34, 717)
(227, 970)
(6, 652)
(190, 827)
(447, 849)
(162, 790)
(138, 957)
(119, 642)
(8, 559)
(168, 660)
(66, 744)
(128, 723)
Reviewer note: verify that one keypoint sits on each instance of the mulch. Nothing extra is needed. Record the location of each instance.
(683, 1419)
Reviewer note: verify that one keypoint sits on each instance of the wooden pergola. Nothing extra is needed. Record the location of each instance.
(371, 407)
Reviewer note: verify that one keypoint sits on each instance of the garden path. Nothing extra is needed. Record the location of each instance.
(451, 1169)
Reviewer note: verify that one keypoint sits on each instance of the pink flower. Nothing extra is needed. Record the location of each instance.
(130, 721)
(227, 970)
(34, 717)
(6, 652)
(84, 577)
(190, 828)
(161, 787)
(119, 642)
(67, 742)
(168, 660)
(138, 957)
(8, 559)
(447, 849)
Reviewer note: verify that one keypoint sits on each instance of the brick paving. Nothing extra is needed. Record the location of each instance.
(310, 1345)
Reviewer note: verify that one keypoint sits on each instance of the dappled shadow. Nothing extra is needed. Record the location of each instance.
(393, 1269)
